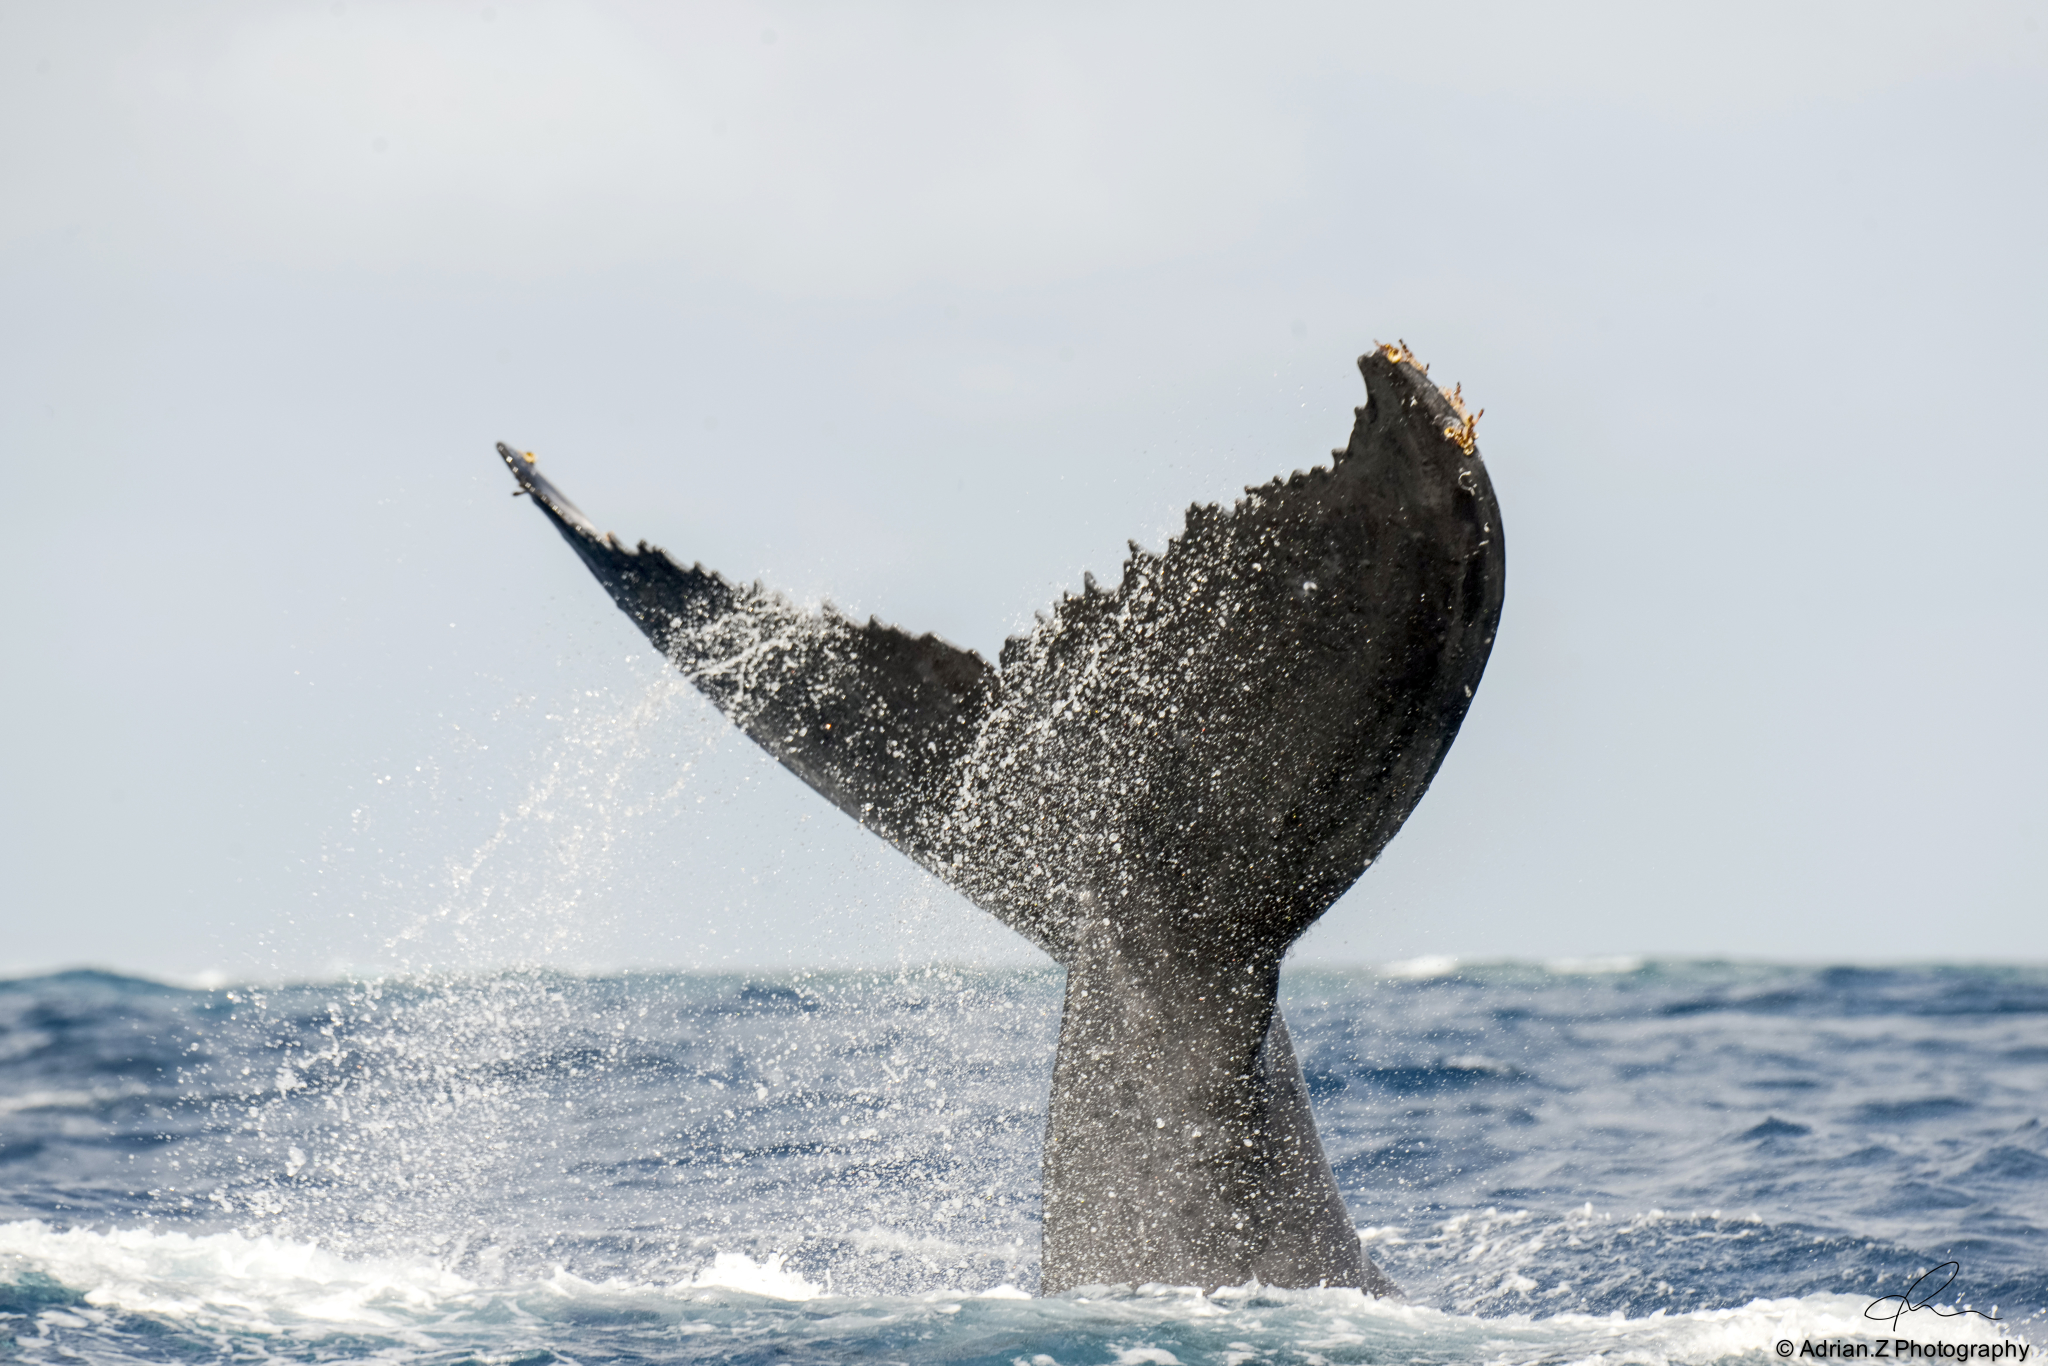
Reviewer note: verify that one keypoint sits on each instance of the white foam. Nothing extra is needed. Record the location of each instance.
(68, 1100)
(259, 1281)
(1416, 969)
(738, 1271)
(1619, 964)
(277, 1286)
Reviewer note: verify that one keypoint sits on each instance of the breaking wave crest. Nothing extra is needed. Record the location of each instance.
(137, 1295)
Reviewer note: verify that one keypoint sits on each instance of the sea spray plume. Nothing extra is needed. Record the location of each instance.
(1163, 786)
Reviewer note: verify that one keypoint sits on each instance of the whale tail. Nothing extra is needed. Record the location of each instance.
(1163, 785)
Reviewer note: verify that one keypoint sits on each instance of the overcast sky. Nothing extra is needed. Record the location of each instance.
(927, 309)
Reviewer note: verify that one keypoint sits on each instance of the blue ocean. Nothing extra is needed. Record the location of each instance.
(1603, 1161)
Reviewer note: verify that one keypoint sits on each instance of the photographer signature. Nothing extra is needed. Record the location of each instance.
(1892, 1308)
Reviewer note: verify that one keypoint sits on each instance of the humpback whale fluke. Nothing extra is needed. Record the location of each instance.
(1162, 785)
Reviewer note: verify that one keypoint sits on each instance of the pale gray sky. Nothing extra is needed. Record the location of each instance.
(927, 308)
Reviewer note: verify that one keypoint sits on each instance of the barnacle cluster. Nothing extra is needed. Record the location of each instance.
(1465, 430)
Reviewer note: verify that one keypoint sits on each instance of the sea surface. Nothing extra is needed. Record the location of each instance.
(1612, 1161)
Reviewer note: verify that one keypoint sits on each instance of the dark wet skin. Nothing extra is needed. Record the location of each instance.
(1162, 786)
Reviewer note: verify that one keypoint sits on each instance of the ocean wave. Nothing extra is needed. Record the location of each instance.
(834, 1167)
(141, 1294)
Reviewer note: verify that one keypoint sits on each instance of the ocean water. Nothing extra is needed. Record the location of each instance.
(1629, 1162)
